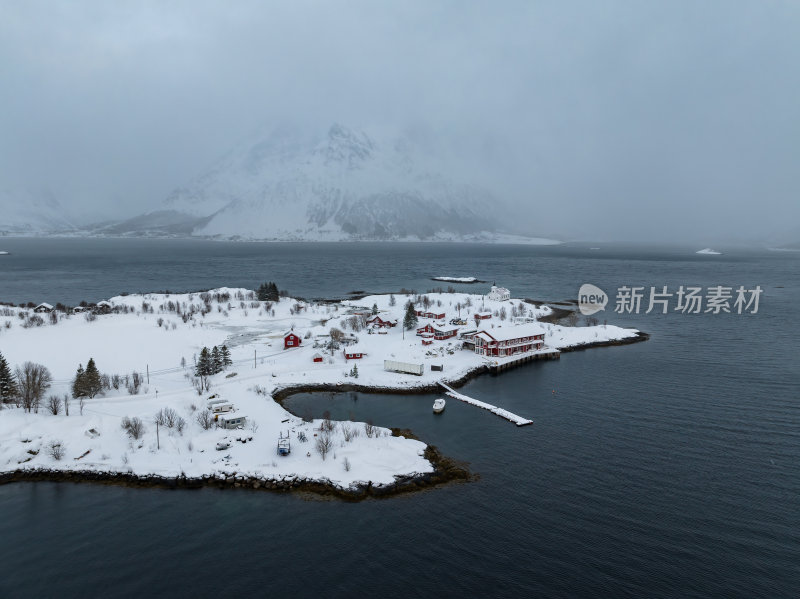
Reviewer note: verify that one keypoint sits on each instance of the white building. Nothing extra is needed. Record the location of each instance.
(499, 294)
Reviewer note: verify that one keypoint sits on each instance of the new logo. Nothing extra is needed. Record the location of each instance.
(591, 299)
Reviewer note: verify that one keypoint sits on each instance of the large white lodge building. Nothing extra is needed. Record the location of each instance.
(508, 341)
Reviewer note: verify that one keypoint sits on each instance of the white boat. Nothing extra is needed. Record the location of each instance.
(3, 253)
(438, 406)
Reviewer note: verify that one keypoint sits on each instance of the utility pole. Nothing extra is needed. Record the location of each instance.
(254, 358)
(158, 438)
(148, 373)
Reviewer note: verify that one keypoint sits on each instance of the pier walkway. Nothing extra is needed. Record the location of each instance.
(518, 420)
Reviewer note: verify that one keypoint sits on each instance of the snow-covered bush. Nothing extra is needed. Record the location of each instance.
(56, 449)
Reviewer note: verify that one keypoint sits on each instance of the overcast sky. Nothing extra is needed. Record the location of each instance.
(623, 120)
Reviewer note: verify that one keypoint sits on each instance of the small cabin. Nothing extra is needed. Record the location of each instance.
(232, 421)
(483, 316)
(317, 358)
(43, 307)
(221, 408)
(290, 339)
(103, 307)
(353, 353)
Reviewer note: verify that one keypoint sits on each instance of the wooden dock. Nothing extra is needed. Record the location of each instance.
(518, 420)
(498, 364)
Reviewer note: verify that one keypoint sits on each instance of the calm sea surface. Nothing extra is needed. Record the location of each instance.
(669, 468)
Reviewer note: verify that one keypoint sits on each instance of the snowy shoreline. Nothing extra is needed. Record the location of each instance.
(160, 330)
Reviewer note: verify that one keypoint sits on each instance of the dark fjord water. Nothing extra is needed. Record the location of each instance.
(669, 468)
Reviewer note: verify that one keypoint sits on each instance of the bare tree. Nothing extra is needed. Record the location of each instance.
(572, 318)
(66, 404)
(324, 444)
(56, 449)
(33, 380)
(346, 465)
(205, 419)
(53, 405)
(327, 424)
(81, 404)
(370, 428)
(133, 426)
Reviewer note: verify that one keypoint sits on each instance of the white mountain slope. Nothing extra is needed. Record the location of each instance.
(343, 186)
(26, 211)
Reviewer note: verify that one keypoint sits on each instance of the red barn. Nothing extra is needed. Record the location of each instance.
(317, 358)
(291, 340)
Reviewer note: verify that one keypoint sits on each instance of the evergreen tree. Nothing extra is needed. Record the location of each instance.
(268, 292)
(216, 360)
(226, 356)
(410, 319)
(374, 309)
(79, 383)
(392, 300)
(203, 367)
(354, 371)
(91, 377)
(8, 384)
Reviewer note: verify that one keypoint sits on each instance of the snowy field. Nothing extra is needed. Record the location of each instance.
(163, 335)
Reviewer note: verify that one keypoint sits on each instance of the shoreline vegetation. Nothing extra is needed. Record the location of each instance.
(444, 470)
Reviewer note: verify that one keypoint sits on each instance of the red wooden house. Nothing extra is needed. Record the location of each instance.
(291, 340)
(430, 314)
(440, 333)
(483, 315)
(380, 323)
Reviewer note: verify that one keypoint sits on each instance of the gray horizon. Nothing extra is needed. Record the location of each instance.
(625, 121)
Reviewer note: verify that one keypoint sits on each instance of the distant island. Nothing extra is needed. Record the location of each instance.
(708, 252)
(457, 279)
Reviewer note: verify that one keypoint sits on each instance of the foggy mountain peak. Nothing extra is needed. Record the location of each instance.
(340, 184)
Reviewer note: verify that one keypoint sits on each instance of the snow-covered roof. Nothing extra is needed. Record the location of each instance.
(483, 313)
(45, 305)
(513, 332)
(445, 328)
(104, 303)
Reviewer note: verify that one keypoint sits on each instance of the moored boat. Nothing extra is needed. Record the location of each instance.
(438, 406)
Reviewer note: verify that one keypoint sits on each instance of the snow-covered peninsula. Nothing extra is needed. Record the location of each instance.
(149, 347)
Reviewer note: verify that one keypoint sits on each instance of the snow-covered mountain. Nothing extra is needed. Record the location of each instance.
(27, 211)
(340, 185)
